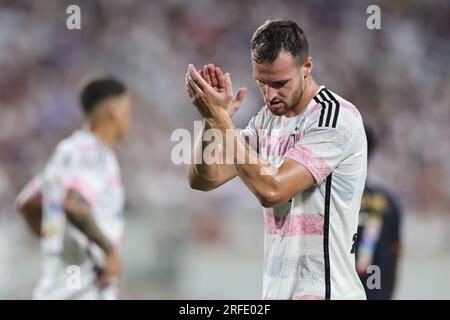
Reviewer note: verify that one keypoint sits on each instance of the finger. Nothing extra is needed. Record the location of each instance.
(189, 88)
(207, 75)
(228, 86)
(240, 95)
(189, 91)
(194, 86)
(199, 81)
(220, 78)
(214, 81)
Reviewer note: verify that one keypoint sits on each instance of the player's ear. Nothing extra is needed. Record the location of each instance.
(110, 113)
(308, 66)
(115, 114)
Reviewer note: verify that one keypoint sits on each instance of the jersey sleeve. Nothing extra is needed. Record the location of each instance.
(322, 148)
(87, 176)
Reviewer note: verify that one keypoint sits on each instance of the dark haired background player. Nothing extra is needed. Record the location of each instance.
(307, 164)
(378, 235)
(75, 205)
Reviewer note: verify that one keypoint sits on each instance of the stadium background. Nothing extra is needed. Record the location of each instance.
(185, 244)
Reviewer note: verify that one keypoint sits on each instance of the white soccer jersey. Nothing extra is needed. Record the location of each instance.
(309, 240)
(84, 163)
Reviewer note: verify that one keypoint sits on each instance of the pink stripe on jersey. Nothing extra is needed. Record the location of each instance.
(308, 297)
(346, 105)
(85, 189)
(277, 145)
(87, 148)
(315, 164)
(268, 142)
(294, 225)
(115, 181)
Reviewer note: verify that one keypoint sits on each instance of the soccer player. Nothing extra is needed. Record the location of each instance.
(306, 163)
(379, 241)
(75, 205)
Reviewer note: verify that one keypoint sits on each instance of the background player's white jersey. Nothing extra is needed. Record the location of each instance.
(309, 241)
(84, 163)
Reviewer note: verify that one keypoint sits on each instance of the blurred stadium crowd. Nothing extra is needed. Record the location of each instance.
(399, 78)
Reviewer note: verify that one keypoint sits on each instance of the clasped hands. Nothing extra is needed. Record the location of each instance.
(211, 93)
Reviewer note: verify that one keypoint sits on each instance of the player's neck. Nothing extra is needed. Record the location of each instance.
(311, 88)
(103, 133)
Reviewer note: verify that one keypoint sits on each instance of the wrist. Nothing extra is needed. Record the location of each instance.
(221, 121)
(110, 250)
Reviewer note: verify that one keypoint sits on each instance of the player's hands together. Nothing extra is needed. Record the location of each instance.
(211, 92)
(110, 273)
(215, 78)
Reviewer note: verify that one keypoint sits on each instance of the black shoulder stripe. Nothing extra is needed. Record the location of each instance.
(336, 113)
(322, 95)
(332, 98)
(329, 95)
(322, 113)
(319, 97)
(330, 110)
(329, 105)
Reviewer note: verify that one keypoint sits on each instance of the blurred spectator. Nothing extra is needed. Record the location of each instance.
(378, 241)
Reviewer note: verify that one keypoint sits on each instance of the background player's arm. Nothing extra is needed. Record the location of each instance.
(29, 205)
(31, 211)
(204, 176)
(78, 212)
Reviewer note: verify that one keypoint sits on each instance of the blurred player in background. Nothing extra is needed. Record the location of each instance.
(308, 171)
(75, 205)
(378, 235)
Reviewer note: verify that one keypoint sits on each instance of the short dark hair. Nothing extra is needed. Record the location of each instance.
(277, 35)
(99, 90)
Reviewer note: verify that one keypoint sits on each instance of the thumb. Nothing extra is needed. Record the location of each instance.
(240, 95)
(228, 86)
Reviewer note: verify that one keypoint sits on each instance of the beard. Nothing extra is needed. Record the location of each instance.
(291, 104)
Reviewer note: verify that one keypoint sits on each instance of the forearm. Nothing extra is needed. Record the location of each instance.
(79, 214)
(207, 173)
(29, 204)
(198, 165)
(31, 211)
(257, 174)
